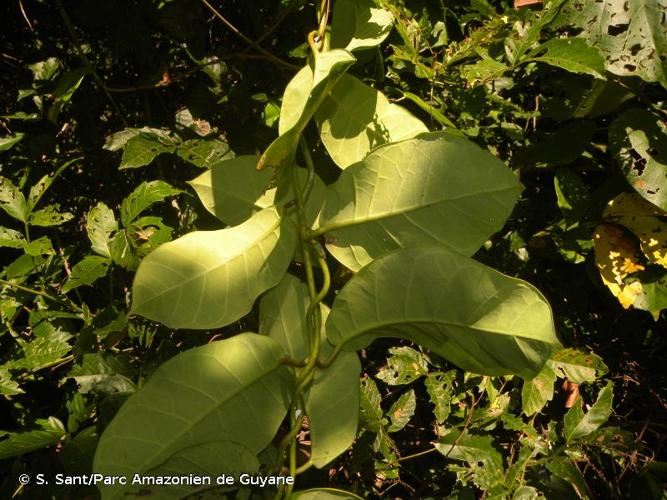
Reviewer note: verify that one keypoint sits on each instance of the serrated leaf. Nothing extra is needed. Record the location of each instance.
(102, 373)
(356, 118)
(49, 216)
(123, 251)
(48, 346)
(143, 197)
(303, 96)
(369, 405)
(439, 386)
(205, 153)
(10, 238)
(578, 424)
(405, 365)
(231, 390)
(477, 318)
(100, 223)
(639, 144)
(86, 272)
(457, 196)
(8, 386)
(332, 406)
(208, 279)
(12, 200)
(233, 190)
(537, 391)
(578, 366)
(50, 431)
(402, 411)
(143, 147)
(571, 54)
(359, 24)
(324, 494)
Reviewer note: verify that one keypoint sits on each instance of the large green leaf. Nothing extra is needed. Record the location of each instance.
(233, 190)
(332, 406)
(303, 96)
(639, 144)
(359, 24)
(232, 390)
(434, 189)
(631, 34)
(579, 424)
(571, 54)
(208, 279)
(481, 320)
(356, 118)
(50, 431)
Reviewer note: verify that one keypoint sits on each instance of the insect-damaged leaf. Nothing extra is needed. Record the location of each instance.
(232, 390)
(434, 189)
(208, 279)
(570, 54)
(479, 319)
(356, 118)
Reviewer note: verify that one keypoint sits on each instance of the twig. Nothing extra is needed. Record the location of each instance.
(25, 16)
(255, 45)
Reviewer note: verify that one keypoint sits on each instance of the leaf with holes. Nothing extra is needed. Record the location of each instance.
(571, 54)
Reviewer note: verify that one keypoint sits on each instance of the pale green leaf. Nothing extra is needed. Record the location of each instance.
(40, 246)
(100, 223)
(477, 318)
(402, 411)
(527, 493)
(49, 216)
(578, 366)
(439, 386)
(8, 386)
(233, 190)
(571, 54)
(356, 118)
(359, 24)
(8, 142)
(142, 148)
(122, 250)
(208, 279)
(47, 347)
(370, 411)
(11, 238)
(86, 272)
(537, 391)
(332, 406)
(231, 390)
(50, 431)
(303, 96)
(143, 197)
(324, 494)
(405, 365)
(638, 142)
(12, 200)
(434, 189)
(205, 153)
(578, 424)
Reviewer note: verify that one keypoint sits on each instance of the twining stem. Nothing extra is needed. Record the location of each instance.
(16, 286)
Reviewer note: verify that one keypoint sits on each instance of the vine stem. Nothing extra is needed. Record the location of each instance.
(16, 286)
(249, 41)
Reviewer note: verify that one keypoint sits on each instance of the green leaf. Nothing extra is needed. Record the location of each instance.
(8, 142)
(332, 406)
(50, 431)
(370, 411)
(477, 318)
(143, 197)
(439, 386)
(527, 493)
(102, 373)
(49, 216)
(359, 24)
(631, 35)
(282, 316)
(324, 494)
(208, 279)
(232, 390)
(143, 147)
(560, 148)
(404, 366)
(303, 96)
(123, 251)
(100, 223)
(8, 386)
(578, 424)
(402, 411)
(571, 54)
(538, 390)
(233, 190)
(12, 200)
(457, 196)
(566, 470)
(41, 186)
(578, 366)
(356, 118)
(638, 141)
(485, 462)
(11, 238)
(205, 153)
(86, 272)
